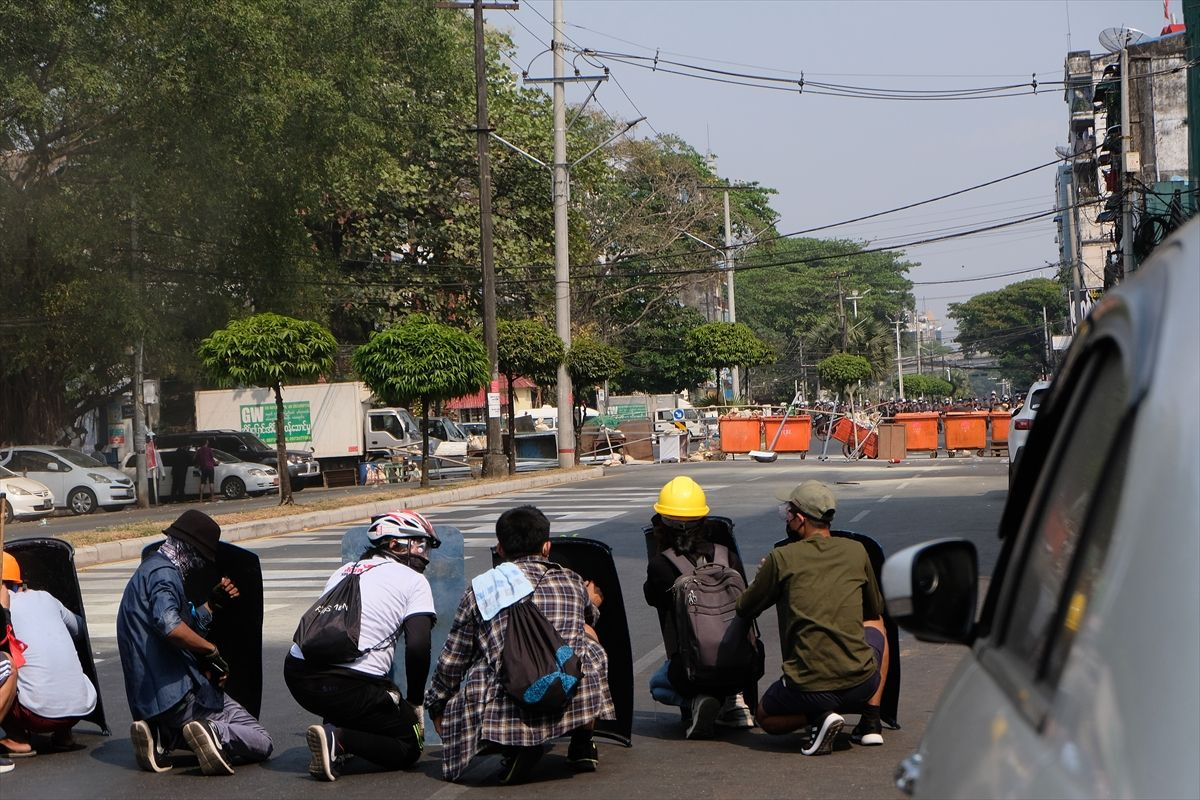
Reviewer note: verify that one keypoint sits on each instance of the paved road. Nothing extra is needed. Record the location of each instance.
(898, 505)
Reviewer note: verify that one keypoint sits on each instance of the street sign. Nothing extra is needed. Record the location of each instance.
(677, 414)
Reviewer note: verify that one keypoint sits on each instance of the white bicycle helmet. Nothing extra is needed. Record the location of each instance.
(402, 524)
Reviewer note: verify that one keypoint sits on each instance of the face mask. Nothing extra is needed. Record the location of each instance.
(784, 510)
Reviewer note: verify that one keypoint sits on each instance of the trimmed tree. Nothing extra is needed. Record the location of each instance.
(925, 386)
(525, 347)
(717, 345)
(269, 350)
(589, 362)
(842, 370)
(421, 360)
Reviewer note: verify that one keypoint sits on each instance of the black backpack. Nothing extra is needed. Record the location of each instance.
(539, 670)
(328, 631)
(712, 644)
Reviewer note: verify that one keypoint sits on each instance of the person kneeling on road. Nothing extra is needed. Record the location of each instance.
(468, 702)
(174, 677)
(363, 712)
(830, 627)
(682, 530)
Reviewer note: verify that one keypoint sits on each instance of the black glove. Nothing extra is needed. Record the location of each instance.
(214, 664)
(218, 597)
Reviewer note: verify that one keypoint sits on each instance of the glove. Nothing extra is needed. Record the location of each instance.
(220, 595)
(214, 664)
(420, 712)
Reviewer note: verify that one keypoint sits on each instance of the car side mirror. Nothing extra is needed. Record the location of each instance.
(52, 466)
(931, 590)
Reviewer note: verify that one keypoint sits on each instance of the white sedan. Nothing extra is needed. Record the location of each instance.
(234, 477)
(27, 499)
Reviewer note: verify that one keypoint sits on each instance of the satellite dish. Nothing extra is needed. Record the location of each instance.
(1114, 40)
(1063, 151)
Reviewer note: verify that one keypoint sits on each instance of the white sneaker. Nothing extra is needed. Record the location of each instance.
(145, 749)
(735, 713)
(818, 739)
(203, 740)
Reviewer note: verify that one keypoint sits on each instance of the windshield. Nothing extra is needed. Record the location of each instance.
(224, 458)
(77, 458)
(8, 473)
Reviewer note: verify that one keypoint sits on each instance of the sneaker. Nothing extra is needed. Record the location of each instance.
(735, 713)
(202, 737)
(818, 739)
(6, 765)
(868, 732)
(518, 764)
(705, 708)
(146, 750)
(582, 755)
(325, 764)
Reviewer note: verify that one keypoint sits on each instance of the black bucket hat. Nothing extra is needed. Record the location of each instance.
(199, 530)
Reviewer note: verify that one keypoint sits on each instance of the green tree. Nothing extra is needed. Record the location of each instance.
(1007, 323)
(590, 361)
(924, 386)
(526, 347)
(422, 360)
(717, 345)
(843, 371)
(655, 360)
(269, 350)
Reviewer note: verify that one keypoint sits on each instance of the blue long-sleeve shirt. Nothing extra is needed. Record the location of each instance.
(157, 673)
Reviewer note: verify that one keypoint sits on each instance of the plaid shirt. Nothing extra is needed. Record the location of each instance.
(466, 690)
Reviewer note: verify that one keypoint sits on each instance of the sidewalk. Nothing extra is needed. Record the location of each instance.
(88, 555)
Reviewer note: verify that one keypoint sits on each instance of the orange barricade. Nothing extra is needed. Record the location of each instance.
(740, 434)
(795, 437)
(843, 432)
(920, 430)
(1000, 420)
(966, 430)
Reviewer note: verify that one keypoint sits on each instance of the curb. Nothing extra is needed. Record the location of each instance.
(90, 555)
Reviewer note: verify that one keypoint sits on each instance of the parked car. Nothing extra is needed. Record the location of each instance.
(233, 477)
(26, 498)
(303, 469)
(79, 482)
(1022, 422)
(1081, 679)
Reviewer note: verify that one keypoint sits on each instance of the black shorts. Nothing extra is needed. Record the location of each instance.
(207, 474)
(782, 698)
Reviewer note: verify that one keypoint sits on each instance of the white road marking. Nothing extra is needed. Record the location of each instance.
(884, 499)
(859, 516)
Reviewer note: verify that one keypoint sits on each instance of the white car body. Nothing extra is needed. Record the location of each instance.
(1022, 421)
(232, 477)
(80, 483)
(1081, 678)
(27, 498)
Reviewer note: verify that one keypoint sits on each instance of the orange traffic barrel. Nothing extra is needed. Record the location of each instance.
(795, 437)
(920, 430)
(966, 430)
(740, 434)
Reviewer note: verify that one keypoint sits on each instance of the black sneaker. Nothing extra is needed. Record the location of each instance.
(582, 755)
(818, 739)
(149, 755)
(322, 743)
(202, 737)
(704, 716)
(868, 732)
(518, 764)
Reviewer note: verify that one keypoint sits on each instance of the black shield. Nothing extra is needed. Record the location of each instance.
(49, 565)
(237, 629)
(592, 560)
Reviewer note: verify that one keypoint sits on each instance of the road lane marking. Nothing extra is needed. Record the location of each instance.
(884, 499)
(859, 516)
(650, 659)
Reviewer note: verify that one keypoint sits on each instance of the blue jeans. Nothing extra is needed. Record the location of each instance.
(662, 690)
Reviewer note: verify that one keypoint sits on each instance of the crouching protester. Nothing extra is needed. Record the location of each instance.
(683, 536)
(471, 707)
(363, 712)
(831, 629)
(174, 676)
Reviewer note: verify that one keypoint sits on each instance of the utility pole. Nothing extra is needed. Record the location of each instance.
(139, 405)
(729, 259)
(562, 265)
(842, 315)
(920, 324)
(854, 298)
(494, 463)
(899, 360)
(1128, 161)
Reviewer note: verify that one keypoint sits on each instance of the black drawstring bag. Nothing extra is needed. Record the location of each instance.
(540, 671)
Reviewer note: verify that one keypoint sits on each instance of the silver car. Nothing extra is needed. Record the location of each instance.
(233, 477)
(1022, 422)
(25, 498)
(1081, 678)
(80, 483)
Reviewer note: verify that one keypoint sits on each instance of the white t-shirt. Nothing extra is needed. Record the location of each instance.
(52, 683)
(391, 593)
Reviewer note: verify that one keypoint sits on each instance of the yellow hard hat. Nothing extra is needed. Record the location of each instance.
(12, 570)
(682, 497)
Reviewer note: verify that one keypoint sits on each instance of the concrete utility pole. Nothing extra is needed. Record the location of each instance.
(562, 265)
(854, 298)
(494, 463)
(139, 407)
(1128, 167)
(729, 267)
(899, 360)
(842, 315)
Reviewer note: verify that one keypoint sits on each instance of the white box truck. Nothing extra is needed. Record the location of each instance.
(333, 420)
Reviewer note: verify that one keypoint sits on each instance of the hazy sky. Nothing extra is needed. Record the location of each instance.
(836, 158)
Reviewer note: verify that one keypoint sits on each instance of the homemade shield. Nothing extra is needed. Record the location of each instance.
(447, 578)
(236, 630)
(592, 560)
(49, 565)
(718, 530)
(889, 704)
